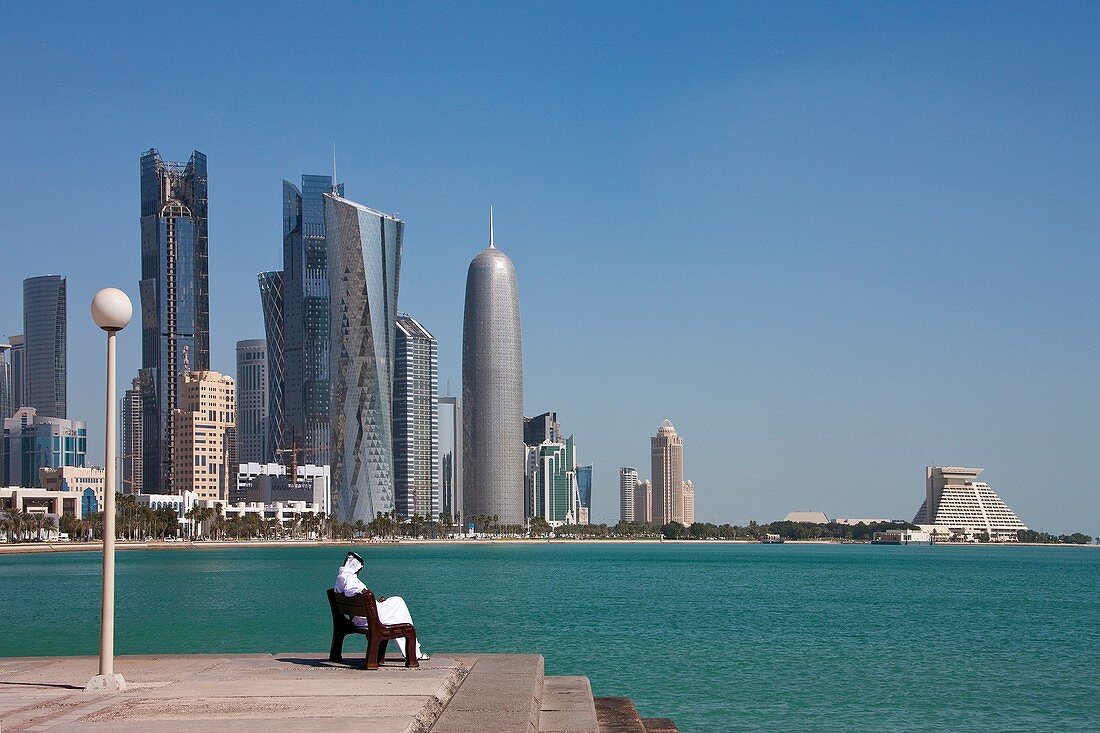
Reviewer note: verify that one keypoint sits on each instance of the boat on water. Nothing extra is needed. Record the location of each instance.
(771, 539)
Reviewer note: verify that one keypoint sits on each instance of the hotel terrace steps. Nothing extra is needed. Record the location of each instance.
(511, 694)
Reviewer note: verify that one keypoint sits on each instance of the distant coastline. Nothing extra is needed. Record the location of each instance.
(27, 548)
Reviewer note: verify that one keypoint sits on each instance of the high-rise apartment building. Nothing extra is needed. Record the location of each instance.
(450, 456)
(552, 482)
(628, 482)
(689, 503)
(271, 301)
(175, 300)
(32, 442)
(18, 356)
(252, 394)
(363, 259)
(643, 502)
(305, 309)
(667, 461)
(584, 494)
(131, 455)
(966, 507)
(415, 421)
(45, 368)
(202, 427)
(492, 390)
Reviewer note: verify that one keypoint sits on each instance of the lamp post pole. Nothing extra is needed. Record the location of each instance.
(111, 311)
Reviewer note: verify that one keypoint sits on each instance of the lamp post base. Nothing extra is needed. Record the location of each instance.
(106, 683)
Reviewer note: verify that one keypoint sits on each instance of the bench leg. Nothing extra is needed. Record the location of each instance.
(336, 651)
(376, 651)
(410, 650)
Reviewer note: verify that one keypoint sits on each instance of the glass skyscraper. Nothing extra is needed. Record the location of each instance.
(415, 421)
(450, 456)
(305, 405)
(44, 362)
(175, 300)
(364, 261)
(552, 482)
(271, 301)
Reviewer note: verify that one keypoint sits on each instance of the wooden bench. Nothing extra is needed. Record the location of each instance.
(344, 608)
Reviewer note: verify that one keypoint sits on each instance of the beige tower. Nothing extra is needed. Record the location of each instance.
(200, 444)
(667, 454)
(689, 503)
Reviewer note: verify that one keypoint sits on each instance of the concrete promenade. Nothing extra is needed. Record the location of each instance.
(458, 693)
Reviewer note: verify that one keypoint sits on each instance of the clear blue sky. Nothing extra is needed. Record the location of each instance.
(832, 243)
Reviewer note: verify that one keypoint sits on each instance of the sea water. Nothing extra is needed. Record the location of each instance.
(719, 637)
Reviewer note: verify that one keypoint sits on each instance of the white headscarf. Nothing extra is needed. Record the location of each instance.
(347, 582)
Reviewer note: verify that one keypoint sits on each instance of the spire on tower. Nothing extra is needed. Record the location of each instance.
(491, 245)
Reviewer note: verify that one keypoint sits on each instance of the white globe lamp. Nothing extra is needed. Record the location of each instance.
(111, 309)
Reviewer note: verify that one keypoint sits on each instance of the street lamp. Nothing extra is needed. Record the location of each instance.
(111, 311)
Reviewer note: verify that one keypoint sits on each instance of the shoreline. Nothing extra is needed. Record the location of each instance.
(31, 548)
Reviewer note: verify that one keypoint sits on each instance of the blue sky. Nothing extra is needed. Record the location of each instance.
(833, 243)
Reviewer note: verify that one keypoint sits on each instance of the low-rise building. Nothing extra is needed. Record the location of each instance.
(270, 483)
(88, 481)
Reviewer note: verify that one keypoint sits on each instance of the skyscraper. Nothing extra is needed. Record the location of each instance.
(271, 301)
(131, 413)
(251, 401)
(643, 502)
(492, 389)
(203, 431)
(175, 300)
(6, 408)
(667, 457)
(628, 481)
(415, 421)
(44, 361)
(450, 456)
(18, 372)
(552, 482)
(689, 503)
(305, 309)
(584, 494)
(363, 260)
(541, 428)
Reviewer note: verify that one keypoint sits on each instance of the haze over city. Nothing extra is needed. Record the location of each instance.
(832, 250)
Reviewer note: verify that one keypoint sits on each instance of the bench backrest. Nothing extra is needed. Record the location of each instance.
(361, 604)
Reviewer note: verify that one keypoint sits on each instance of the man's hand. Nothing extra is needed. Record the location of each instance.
(381, 598)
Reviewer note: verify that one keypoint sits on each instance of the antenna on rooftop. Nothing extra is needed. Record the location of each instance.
(491, 245)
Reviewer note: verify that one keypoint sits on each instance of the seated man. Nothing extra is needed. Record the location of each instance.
(390, 610)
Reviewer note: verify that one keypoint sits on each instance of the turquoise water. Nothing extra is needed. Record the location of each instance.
(718, 637)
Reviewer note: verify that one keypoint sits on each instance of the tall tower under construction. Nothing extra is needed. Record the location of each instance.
(175, 299)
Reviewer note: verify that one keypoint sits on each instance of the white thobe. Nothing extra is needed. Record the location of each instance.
(390, 611)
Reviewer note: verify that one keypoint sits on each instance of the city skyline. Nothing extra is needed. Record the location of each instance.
(854, 195)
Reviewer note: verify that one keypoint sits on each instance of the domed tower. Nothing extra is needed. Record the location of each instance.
(667, 462)
(492, 390)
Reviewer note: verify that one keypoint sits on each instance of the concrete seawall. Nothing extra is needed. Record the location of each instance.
(451, 693)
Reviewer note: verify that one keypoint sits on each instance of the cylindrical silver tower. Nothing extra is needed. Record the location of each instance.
(492, 391)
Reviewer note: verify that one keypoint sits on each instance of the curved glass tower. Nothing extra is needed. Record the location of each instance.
(492, 390)
(363, 264)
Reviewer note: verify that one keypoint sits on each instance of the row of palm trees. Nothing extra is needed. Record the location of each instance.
(18, 524)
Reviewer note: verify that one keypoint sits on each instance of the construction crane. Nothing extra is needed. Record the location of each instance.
(293, 450)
